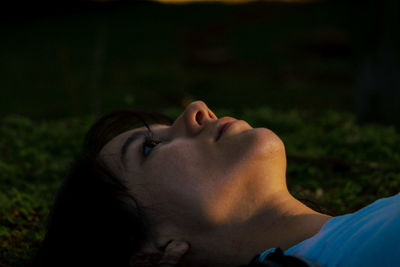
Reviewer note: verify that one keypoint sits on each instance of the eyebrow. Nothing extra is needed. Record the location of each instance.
(132, 138)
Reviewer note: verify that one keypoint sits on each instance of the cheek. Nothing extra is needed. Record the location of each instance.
(180, 180)
(179, 171)
(179, 161)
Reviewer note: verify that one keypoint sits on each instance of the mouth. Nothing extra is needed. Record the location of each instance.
(224, 124)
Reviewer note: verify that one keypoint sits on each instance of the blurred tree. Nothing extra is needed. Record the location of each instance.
(98, 61)
(377, 85)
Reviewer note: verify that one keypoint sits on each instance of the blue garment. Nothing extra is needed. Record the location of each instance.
(368, 237)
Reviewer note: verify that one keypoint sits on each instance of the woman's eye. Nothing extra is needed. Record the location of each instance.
(148, 145)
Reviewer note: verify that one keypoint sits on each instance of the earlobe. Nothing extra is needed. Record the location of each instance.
(148, 255)
(173, 253)
(143, 259)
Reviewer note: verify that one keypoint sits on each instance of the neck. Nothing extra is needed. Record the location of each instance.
(283, 224)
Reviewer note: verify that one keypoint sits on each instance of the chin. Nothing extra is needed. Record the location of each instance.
(267, 142)
(267, 164)
(255, 151)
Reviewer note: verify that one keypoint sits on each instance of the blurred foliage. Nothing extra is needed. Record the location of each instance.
(332, 161)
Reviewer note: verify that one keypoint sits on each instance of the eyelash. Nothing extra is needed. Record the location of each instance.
(149, 142)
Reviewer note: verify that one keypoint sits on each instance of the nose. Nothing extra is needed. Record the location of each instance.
(194, 117)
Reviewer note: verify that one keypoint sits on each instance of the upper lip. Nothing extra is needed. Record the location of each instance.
(222, 124)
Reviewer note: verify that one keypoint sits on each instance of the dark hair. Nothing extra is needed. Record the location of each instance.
(94, 221)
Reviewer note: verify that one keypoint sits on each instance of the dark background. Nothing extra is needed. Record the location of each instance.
(70, 58)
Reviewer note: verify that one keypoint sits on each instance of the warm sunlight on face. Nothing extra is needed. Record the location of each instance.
(203, 171)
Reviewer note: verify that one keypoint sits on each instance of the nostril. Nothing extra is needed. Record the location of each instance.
(199, 117)
(211, 115)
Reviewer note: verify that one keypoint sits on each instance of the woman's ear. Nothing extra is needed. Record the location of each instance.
(169, 256)
(173, 253)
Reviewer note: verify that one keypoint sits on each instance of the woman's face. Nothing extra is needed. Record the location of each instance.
(204, 172)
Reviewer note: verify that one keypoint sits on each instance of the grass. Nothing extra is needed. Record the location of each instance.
(332, 161)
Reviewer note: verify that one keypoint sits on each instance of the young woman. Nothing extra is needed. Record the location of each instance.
(200, 191)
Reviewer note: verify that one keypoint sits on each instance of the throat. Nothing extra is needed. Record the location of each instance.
(236, 244)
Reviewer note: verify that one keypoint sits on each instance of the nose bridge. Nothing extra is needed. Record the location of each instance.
(193, 119)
